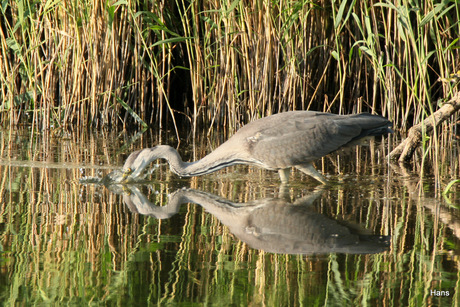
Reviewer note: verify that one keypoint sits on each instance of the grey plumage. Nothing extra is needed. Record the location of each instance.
(277, 142)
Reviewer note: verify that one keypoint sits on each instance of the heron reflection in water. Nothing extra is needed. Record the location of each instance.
(277, 142)
(273, 225)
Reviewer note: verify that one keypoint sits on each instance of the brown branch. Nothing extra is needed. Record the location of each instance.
(405, 150)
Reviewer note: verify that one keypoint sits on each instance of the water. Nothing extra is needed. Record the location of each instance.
(378, 235)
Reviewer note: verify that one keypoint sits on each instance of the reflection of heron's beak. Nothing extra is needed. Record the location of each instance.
(126, 191)
(128, 172)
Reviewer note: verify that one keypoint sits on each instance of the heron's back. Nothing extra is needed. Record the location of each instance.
(292, 138)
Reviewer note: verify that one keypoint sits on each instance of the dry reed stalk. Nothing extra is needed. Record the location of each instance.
(80, 64)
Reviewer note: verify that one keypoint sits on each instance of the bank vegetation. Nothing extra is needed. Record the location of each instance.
(122, 63)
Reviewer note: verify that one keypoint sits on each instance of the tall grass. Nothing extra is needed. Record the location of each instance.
(98, 63)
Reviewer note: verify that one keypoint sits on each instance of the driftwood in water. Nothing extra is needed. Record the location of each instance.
(405, 150)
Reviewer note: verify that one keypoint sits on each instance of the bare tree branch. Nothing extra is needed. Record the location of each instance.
(405, 150)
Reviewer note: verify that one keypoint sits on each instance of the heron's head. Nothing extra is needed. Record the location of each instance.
(139, 160)
(126, 174)
(136, 163)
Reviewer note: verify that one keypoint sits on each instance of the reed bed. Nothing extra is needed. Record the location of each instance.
(115, 63)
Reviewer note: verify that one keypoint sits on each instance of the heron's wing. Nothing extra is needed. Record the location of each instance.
(302, 140)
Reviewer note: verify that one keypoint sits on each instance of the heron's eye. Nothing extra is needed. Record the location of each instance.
(127, 173)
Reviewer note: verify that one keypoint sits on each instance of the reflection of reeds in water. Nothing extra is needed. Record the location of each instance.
(56, 236)
(66, 242)
(103, 63)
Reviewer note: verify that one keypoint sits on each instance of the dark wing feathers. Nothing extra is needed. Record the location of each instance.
(298, 140)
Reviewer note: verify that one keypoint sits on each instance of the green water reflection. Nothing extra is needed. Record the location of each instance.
(67, 243)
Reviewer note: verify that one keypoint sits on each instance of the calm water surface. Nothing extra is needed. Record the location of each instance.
(379, 234)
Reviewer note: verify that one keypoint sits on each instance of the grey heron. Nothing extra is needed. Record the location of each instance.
(277, 142)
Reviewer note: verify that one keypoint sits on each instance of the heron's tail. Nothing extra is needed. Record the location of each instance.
(371, 125)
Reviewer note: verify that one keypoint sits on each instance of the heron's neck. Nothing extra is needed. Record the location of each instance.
(208, 164)
(216, 160)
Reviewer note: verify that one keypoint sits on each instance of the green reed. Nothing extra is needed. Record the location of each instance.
(110, 63)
